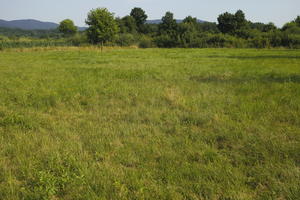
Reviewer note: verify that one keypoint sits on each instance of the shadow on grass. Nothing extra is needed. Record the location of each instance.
(257, 57)
(265, 78)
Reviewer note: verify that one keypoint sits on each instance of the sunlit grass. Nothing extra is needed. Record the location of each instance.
(78, 123)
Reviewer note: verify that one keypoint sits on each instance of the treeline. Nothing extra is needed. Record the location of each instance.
(232, 30)
(15, 33)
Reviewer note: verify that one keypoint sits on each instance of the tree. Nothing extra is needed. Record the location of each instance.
(240, 19)
(297, 20)
(269, 27)
(291, 28)
(190, 20)
(232, 23)
(227, 23)
(187, 34)
(188, 31)
(208, 27)
(129, 24)
(168, 31)
(102, 26)
(67, 27)
(168, 25)
(140, 17)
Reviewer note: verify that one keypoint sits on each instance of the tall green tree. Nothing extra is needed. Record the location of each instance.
(168, 24)
(168, 31)
(102, 26)
(297, 20)
(187, 34)
(140, 17)
(129, 24)
(292, 27)
(67, 27)
(227, 23)
(269, 27)
(240, 19)
(232, 23)
(190, 20)
(188, 31)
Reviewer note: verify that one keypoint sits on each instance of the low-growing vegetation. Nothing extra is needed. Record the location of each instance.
(81, 123)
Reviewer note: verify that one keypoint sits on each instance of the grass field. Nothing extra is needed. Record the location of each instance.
(150, 124)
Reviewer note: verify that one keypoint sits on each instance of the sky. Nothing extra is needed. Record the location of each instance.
(276, 11)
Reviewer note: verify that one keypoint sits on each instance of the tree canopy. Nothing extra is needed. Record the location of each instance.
(232, 30)
(190, 20)
(127, 24)
(140, 17)
(67, 27)
(230, 23)
(168, 24)
(102, 26)
(297, 20)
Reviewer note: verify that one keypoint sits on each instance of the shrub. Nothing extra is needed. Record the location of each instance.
(166, 41)
(78, 40)
(216, 40)
(125, 39)
(291, 40)
(259, 42)
(146, 42)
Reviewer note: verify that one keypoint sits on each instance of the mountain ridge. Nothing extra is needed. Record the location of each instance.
(32, 24)
(28, 24)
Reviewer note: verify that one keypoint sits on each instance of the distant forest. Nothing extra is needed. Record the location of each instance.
(232, 30)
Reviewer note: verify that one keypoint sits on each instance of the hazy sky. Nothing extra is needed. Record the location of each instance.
(277, 11)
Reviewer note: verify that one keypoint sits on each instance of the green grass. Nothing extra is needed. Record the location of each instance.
(150, 124)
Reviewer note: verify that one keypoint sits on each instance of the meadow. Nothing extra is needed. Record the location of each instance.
(215, 124)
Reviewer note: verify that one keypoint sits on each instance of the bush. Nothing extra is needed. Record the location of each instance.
(78, 40)
(29, 43)
(146, 42)
(293, 30)
(234, 42)
(3, 38)
(291, 40)
(125, 39)
(197, 43)
(166, 41)
(221, 40)
(259, 42)
(275, 39)
(216, 40)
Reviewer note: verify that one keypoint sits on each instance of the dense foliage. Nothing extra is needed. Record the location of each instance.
(15, 33)
(140, 18)
(232, 30)
(67, 28)
(102, 26)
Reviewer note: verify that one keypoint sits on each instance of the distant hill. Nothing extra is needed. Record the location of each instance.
(158, 21)
(30, 24)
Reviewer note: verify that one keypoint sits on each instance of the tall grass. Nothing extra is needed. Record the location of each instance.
(32, 43)
(150, 124)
